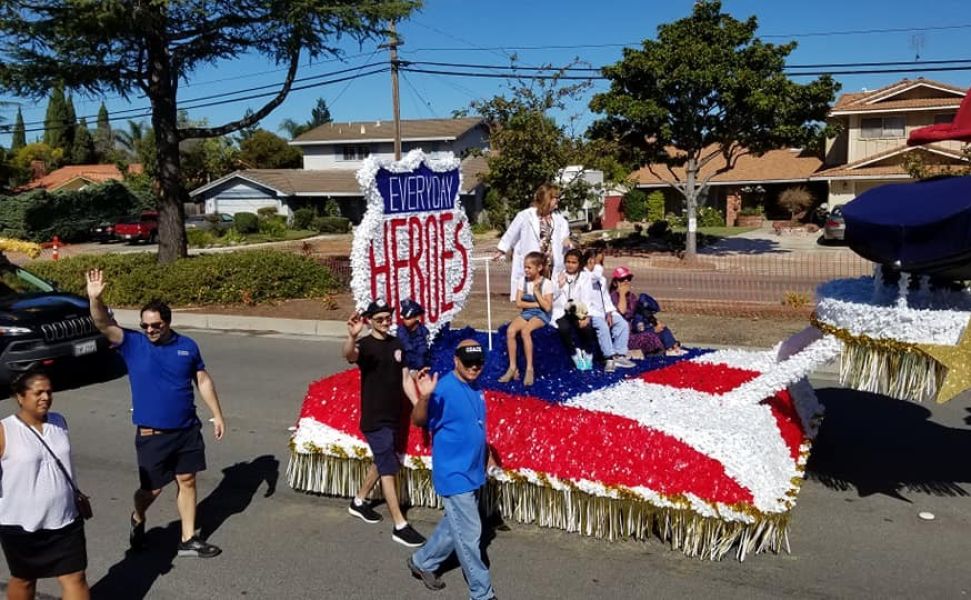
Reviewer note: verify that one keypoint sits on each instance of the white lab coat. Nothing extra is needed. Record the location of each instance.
(522, 237)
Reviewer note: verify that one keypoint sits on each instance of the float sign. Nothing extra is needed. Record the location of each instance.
(414, 240)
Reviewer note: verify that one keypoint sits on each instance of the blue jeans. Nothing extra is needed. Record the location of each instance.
(612, 340)
(459, 531)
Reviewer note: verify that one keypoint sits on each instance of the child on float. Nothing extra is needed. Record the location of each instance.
(535, 297)
(571, 297)
(642, 336)
(414, 336)
(647, 333)
(612, 330)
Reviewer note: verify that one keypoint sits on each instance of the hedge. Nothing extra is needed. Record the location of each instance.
(246, 222)
(634, 205)
(248, 277)
(331, 225)
(40, 215)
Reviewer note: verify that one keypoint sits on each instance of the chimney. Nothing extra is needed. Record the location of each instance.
(377, 123)
(38, 169)
(363, 131)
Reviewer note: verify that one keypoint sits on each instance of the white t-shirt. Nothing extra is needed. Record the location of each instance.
(528, 287)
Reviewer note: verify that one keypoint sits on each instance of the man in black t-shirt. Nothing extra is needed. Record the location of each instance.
(384, 377)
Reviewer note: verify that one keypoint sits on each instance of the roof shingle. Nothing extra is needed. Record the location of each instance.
(411, 130)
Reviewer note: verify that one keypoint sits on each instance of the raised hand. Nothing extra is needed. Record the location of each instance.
(355, 325)
(426, 383)
(96, 283)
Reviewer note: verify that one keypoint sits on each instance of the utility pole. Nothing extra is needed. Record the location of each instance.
(393, 44)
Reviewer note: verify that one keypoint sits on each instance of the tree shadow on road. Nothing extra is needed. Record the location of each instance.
(133, 576)
(880, 445)
(739, 245)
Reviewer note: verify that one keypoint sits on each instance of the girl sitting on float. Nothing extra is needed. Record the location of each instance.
(535, 297)
(647, 334)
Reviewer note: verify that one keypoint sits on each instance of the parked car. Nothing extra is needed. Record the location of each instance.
(215, 222)
(103, 232)
(43, 327)
(138, 228)
(835, 226)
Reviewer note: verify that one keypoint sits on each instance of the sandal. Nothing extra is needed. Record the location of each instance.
(528, 379)
(510, 374)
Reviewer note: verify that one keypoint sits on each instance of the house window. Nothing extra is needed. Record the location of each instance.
(356, 152)
(882, 127)
(946, 118)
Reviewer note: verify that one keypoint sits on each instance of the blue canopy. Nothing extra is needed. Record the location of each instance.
(922, 227)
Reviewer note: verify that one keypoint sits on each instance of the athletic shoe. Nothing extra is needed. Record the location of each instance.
(430, 579)
(196, 548)
(611, 367)
(623, 362)
(136, 533)
(407, 536)
(364, 512)
(578, 360)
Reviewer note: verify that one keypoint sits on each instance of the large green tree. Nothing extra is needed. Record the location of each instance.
(319, 115)
(104, 141)
(56, 120)
(19, 132)
(266, 150)
(82, 150)
(707, 89)
(149, 47)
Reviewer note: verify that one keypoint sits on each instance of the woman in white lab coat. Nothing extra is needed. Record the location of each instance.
(539, 228)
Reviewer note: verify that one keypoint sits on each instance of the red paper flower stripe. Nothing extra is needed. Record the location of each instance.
(711, 379)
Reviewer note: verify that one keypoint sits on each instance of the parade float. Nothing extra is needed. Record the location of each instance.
(704, 451)
(906, 330)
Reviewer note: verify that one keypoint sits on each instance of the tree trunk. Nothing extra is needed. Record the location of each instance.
(162, 90)
(691, 201)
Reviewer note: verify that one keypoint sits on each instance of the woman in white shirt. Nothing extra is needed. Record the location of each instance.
(539, 228)
(41, 532)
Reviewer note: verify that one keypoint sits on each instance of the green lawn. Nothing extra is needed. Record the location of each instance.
(290, 235)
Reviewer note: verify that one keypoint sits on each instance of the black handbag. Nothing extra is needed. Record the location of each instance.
(81, 501)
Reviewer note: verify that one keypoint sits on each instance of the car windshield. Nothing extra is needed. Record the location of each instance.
(15, 281)
(130, 219)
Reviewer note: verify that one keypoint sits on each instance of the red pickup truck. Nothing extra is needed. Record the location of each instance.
(138, 228)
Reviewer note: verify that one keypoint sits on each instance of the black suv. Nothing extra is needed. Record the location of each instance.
(41, 326)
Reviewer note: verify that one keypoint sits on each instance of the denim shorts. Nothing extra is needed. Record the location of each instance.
(538, 313)
(382, 443)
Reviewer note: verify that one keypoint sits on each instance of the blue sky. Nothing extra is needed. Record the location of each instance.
(463, 31)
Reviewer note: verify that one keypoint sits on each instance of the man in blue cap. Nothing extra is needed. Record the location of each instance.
(383, 378)
(454, 411)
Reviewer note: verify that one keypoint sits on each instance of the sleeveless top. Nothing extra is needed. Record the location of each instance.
(34, 494)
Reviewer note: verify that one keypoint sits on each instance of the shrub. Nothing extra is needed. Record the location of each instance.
(655, 206)
(709, 216)
(200, 238)
(332, 208)
(658, 229)
(678, 221)
(246, 222)
(303, 217)
(752, 211)
(480, 228)
(795, 200)
(218, 278)
(274, 227)
(266, 212)
(233, 237)
(331, 225)
(634, 205)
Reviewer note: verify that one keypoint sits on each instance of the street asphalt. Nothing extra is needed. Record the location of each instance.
(855, 531)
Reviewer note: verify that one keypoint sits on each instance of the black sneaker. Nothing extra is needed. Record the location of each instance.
(407, 536)
(136, 533)
(429, 578)
(364, 512)
(197, 548)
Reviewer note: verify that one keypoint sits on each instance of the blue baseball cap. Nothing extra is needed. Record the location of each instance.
(410, 308)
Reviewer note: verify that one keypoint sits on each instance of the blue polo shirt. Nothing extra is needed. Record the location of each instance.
(161, 379)
(457, 422)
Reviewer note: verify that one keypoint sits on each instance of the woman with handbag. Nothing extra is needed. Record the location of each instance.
(41, 509)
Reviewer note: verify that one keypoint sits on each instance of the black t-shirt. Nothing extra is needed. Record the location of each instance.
(382, 396)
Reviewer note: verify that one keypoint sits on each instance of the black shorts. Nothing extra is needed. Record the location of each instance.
(383, 446)
(167, 453)
(46, 552)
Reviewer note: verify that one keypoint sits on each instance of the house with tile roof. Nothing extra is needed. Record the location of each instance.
(332, 154)
(870, 150)
(78, 177)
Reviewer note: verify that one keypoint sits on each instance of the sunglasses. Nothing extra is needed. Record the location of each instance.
(147, 326)
(381, 320)
(474, 364)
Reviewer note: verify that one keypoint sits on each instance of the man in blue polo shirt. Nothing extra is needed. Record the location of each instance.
(454, 411)
(162, 366)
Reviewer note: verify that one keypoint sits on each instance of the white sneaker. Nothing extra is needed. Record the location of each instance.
(623, 362)
(610, 368)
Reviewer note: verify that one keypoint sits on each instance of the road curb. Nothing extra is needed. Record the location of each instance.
(321, 329)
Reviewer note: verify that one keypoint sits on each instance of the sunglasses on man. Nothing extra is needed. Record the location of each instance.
(156, 325)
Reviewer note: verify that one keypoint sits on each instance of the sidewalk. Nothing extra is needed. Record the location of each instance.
(331, 330)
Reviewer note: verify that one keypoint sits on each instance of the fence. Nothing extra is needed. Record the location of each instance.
(764, 285)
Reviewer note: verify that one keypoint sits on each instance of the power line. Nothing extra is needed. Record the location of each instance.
(421, 99)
